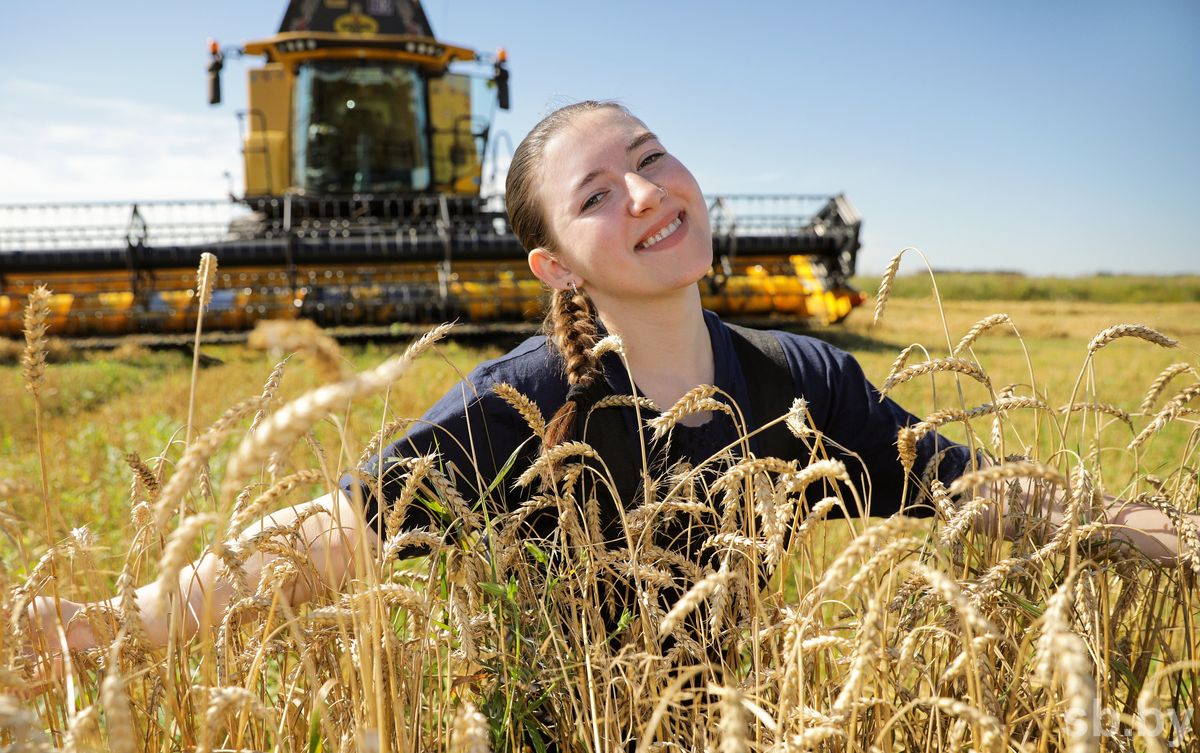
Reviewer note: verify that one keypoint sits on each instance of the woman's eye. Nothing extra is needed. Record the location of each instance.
(650, 159)
(591, 201)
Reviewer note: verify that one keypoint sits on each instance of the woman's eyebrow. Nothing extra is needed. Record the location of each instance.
(641, 139)
(647, 136)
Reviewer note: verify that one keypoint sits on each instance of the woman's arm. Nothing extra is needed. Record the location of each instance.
(1145, 528)
(331, 539)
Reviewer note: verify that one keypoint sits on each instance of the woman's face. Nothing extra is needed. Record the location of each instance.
(628, 219)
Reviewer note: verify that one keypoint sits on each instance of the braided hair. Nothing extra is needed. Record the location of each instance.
(570, 318)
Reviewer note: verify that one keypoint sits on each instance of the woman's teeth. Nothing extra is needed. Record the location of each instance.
(666, 231)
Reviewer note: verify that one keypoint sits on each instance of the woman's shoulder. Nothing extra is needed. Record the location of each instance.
(532, 367)
(801, 351)
(533, 355)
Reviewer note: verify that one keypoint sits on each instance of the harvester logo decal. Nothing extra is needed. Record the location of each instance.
(356, 22)
(363, 18)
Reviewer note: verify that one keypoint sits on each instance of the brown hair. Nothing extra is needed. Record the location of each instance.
(570, 318)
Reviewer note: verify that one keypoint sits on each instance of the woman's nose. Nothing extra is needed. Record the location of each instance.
(644, 194)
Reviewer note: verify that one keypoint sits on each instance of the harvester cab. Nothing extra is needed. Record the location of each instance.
(366, 203)
(363, 102)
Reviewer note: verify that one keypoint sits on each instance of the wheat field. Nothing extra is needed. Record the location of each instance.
(791, 633)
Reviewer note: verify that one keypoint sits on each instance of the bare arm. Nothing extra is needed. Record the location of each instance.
(331, 539)
(1143, 527)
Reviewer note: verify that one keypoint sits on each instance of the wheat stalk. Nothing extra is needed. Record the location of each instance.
(1062, 654)
(33, 369)
(206, 277)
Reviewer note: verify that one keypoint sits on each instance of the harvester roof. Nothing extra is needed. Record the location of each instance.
(373, 29)
(395, 17)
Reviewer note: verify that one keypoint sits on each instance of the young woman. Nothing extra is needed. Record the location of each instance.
(618, 228)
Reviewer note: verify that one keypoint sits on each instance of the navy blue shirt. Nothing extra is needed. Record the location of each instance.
(476, 434)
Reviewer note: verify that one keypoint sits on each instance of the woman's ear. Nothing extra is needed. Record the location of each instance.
(547, 268)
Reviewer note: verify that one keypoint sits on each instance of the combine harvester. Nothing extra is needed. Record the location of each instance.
(365, 142)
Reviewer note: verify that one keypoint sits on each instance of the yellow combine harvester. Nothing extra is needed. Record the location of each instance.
(365, 146)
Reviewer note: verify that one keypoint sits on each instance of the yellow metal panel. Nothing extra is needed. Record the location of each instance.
(270, 98)
(267, 164)
(267, 150)
(455, 164)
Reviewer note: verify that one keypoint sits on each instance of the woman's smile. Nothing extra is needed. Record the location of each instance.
(664, 237)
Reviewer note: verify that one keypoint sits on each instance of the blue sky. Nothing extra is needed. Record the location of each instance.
(1049, 137)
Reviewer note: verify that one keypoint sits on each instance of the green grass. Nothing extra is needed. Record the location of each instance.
(1000, 286)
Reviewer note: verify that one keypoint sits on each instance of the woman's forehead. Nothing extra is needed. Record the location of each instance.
(592, 142)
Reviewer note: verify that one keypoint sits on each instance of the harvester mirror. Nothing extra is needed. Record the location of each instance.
(501, 80)
(214, 75)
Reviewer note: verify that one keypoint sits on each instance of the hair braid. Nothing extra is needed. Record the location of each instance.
(571, 326)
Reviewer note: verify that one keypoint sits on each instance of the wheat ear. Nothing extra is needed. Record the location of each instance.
(1170, 412)
(471, 733)
(1139, 331)
(523, 405)
(687, 604)
(195, 457)
(885, 287)
(695, 400)
(116, 704)
(958, 365)
(303, 336)
(1016, 469)
(1160, 383)
(981, 326)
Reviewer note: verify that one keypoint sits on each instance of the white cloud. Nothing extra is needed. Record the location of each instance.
(62, 145)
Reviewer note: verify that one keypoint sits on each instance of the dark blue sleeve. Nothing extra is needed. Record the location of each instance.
(474, 435)
(847, 409)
